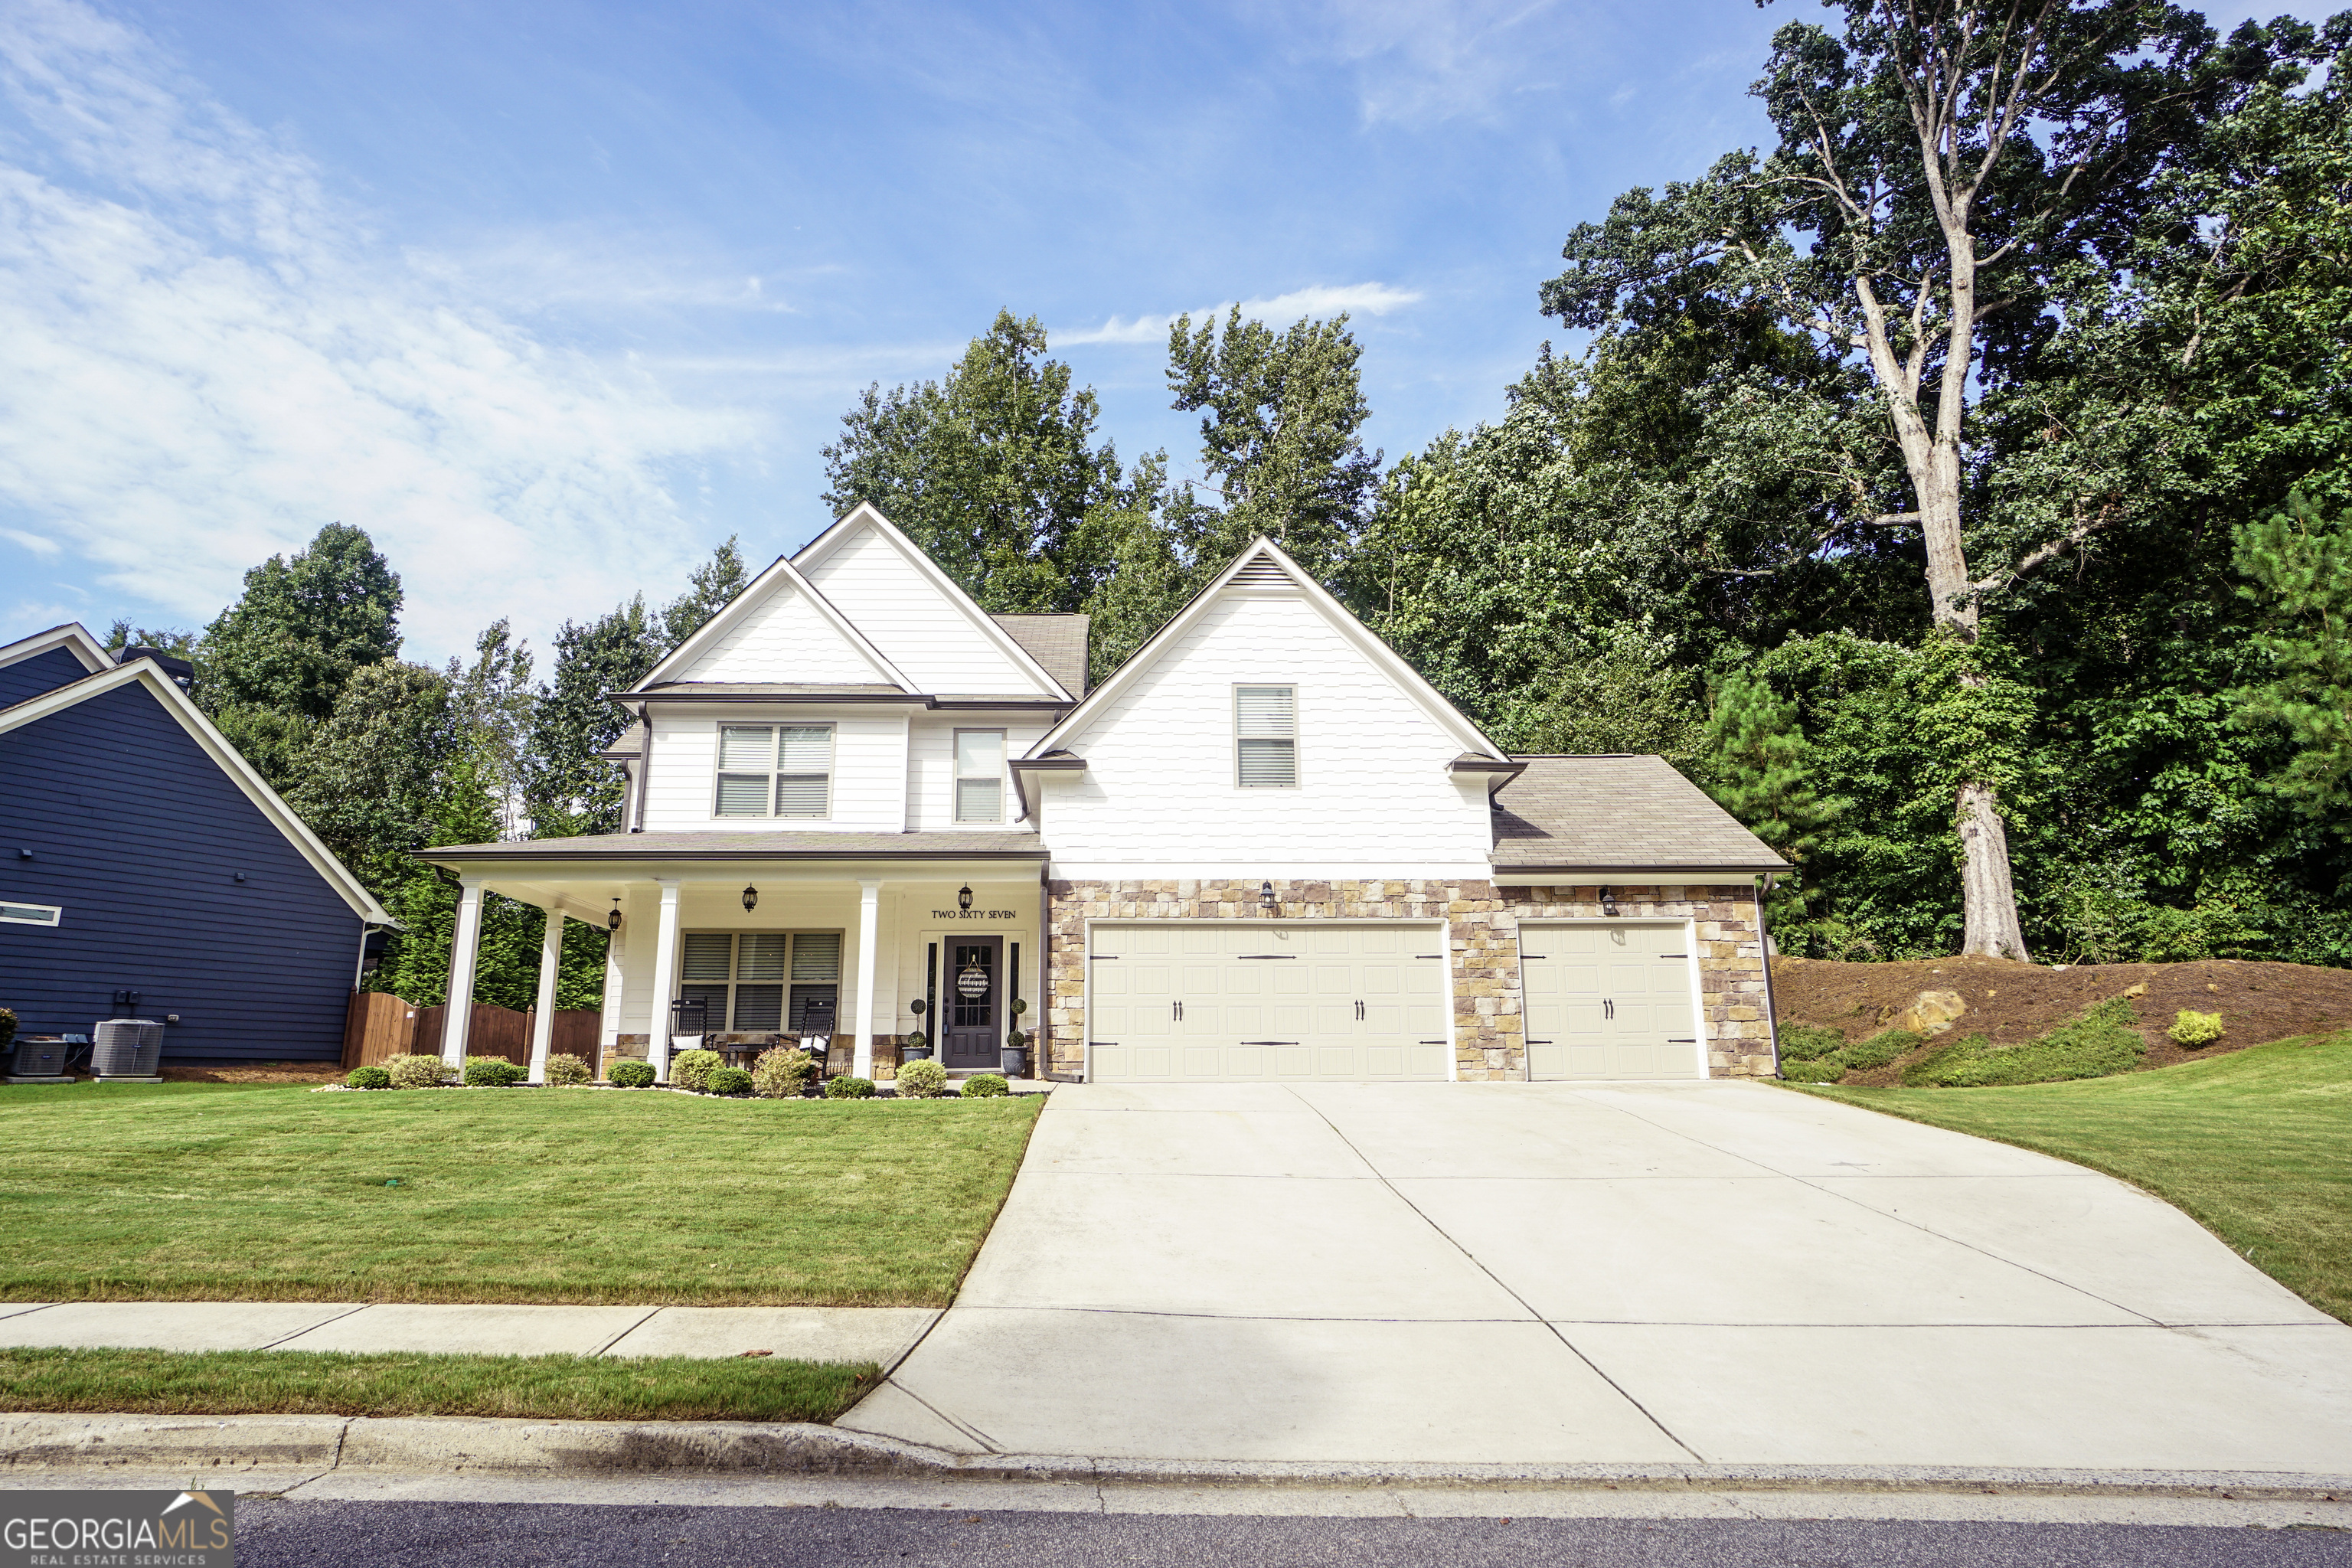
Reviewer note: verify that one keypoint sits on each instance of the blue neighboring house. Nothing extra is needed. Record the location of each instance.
(147, 871)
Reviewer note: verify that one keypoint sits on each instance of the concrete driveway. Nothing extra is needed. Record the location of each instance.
(1726, 1273)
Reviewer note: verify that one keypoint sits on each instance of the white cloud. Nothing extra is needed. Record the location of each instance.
(1426, 61)
(204, 356)
(47, 549)
(1321, 300)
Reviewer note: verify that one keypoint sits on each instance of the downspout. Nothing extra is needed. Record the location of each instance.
(1044, 973)
(645, 774)
(1764, 954)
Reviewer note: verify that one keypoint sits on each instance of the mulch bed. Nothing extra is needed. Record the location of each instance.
(252, 1072)
(2012, 1003)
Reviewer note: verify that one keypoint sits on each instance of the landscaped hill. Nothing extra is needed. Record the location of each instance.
(2012, 1003)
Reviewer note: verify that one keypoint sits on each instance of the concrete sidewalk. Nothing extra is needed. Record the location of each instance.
(1709, 1272)
(882, 1335)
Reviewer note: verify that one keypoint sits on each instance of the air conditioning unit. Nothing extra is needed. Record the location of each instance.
(126, 1047)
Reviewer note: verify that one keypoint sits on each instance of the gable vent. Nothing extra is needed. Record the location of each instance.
(1263, 573)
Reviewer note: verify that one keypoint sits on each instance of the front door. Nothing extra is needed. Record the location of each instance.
(974, 1004)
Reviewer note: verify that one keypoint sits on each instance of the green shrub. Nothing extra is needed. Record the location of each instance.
(2103, 1041)
(1820, 1069)
(687, 1069)
(2195, 1028)
(8, 1027)
(1808, 1042)
(567, 1069)
(727, 1081)
(493, 1072)
(847, 1088)
(781, 1073)
(367, 1078)
(1880, 1049)
(985, 1086)
(923, 1079)
(630, 1073)
(418, 1072)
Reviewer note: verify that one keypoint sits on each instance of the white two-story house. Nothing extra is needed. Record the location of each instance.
(1263, 848)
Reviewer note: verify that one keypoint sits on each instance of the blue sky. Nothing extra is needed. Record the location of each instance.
(552, 298)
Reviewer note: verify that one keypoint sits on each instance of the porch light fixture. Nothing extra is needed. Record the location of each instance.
(1607, 903)
(1266, 894)
(963, 897)
(613, 921)
(751, 899)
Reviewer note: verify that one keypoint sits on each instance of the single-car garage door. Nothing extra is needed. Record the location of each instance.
(1608, 1000)
(1220, 1001)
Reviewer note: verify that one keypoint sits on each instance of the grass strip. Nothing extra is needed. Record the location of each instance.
(228, 1191)
(2256, 1146)
(321, 1383)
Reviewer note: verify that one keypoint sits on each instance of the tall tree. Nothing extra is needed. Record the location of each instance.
(494, 701)
(1940, 168)
(994, 470)
(2300, 570)
(371, 776)
(274, 662)
(1282, 416)
(567, 790)
(709, 587)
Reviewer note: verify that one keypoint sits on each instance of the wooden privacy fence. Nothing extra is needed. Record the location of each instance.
(378, 1025)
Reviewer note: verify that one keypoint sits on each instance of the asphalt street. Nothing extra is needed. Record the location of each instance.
(290, 1534)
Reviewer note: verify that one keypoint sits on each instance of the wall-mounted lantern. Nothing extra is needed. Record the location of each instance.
(613, 921)
(750, 899)
(963, 897)
(1609, 903)
(1266, 894)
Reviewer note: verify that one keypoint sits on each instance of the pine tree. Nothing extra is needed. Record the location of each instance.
(2300, 565)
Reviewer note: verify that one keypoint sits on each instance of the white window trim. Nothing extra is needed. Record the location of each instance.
(956, 776)
(1297, 771)
(12, 913)
(775, 728)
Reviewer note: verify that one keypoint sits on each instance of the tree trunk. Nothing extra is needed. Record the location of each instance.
(1988, 894)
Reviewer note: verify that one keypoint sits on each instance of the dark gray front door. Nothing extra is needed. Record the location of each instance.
(975, 1003)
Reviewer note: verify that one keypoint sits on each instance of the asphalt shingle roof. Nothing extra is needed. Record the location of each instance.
(1619, 813)
(1057, 642)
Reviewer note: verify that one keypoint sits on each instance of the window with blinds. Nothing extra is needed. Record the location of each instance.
(980, 775)
(774, 769)
(761, 981)
(1266, 734)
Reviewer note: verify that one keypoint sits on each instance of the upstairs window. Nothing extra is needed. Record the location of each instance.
(980, 775)
(1265, 736)
(775, 770)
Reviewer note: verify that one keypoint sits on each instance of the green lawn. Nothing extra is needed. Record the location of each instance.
(310, 1383)
(2257, 1145)
(261, 1192)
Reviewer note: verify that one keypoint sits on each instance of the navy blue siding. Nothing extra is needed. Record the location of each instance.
(29, 678)
(139, 835)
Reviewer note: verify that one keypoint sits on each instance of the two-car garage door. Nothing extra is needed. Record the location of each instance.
(1176, 1000)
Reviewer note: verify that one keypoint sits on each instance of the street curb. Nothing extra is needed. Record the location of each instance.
(33, 1444)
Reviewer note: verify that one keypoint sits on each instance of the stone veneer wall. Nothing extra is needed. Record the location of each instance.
(1482, 926)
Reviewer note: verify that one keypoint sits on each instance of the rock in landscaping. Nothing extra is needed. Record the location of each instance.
(1931, 1013)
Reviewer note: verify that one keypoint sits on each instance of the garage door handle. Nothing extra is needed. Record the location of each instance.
(1672, 1041)
(1266, 955)
(1441, 1042)
(1266, 1042)
(1531, 1042)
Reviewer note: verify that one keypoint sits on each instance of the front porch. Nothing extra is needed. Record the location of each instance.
(740, 947)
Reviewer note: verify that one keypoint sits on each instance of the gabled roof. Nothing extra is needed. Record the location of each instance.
(1622, 813)
(755, 593)
(73, 636)
(1057, 642)
(1261, 567)
(182, 706)
(864, 515)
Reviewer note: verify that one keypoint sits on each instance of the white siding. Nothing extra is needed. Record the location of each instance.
(915, 625)
(869, 771)
(785, 638)
(1158, 796)
(930, 768)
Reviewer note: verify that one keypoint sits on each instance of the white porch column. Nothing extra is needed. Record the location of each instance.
(464, 944)
(869, 913)
(616, 956)
(542, 1022)
(664, 981)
